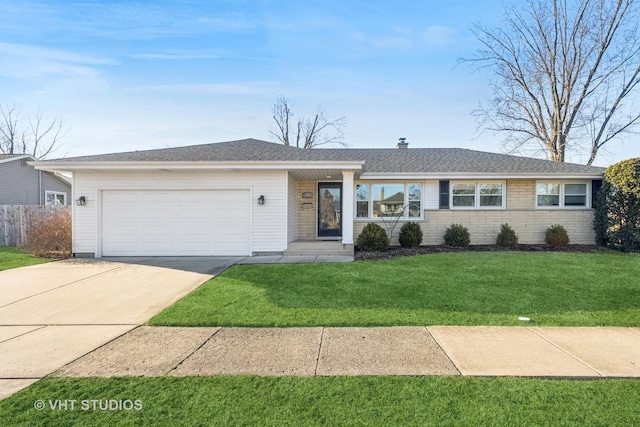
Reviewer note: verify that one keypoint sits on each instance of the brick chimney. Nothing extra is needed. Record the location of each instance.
(402, 144)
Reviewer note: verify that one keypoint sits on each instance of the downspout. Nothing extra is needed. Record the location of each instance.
(40, 187)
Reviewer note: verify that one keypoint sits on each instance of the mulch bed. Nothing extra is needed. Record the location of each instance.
(397, 251)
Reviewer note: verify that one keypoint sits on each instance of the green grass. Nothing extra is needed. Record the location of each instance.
(334, 401)
(12, 258)
(463, 288)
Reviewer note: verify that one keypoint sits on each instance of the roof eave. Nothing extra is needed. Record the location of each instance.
(12, 159)
(477, 175)
(194, 166)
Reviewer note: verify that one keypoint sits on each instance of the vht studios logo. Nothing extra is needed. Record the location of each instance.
(88, 405)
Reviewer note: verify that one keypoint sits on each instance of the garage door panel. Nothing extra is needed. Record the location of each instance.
(157, 223)
(120, 197)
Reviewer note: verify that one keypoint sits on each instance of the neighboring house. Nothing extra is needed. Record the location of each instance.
(22, 184)
(253, 197)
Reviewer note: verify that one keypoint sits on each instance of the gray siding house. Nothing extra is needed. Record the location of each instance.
(253, 197)
(22, 184)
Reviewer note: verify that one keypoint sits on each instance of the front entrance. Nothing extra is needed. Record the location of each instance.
(329, 209)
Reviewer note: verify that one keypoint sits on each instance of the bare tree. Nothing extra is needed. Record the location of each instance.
(308, 132)
(566, 72)
(32, 134)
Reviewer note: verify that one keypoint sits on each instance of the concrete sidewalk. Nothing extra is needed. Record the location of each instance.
(323, 351)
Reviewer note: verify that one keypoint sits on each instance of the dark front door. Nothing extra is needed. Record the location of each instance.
(329, 209)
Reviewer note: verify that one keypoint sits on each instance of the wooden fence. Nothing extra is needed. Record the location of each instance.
(16, 219)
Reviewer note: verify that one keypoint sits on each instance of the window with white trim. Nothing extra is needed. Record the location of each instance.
(478, 195)
(55, 198)
(562, 194)
(377, 200)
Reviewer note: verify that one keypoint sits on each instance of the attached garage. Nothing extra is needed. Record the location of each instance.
(176, 223)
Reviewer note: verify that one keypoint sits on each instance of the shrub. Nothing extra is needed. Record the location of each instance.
(556, 235)
(410, 235)
(507, 237)
(457, 235)
(50, 236)
(617, 214)
(373, 238)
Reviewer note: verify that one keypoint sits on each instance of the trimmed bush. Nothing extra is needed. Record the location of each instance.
(50, 236)
(507, 238)
(617, 214)
(457, 235)
(373, 238)
(556, 235)
(410, 235)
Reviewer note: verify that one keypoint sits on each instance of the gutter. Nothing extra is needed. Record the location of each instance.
(40, 198)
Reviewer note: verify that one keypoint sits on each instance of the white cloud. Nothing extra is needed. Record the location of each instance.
(48, 54)
(210, 89)
(29, 61)
(174, 56)
(439, 35)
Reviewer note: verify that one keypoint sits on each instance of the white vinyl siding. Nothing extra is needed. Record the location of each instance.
(292, 211)
(431, 195)
(268, 222)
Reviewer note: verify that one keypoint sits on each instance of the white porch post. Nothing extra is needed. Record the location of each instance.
(347, 207)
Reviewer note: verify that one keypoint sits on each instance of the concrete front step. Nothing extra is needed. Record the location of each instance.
(319, 253)
(317, 248)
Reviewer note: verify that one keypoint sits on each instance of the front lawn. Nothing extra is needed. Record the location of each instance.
(11, 257)
(463, 288)
(333, 401)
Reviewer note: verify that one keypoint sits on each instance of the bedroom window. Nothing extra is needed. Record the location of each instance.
(561, 194)
(548, 195)
(477, 195)
(575, 195)
(463, 195)
(380, 200)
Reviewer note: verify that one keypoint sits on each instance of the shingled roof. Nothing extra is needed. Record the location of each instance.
(9, 156)
(379, 160)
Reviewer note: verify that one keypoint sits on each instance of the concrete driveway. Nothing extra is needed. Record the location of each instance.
(52, 314)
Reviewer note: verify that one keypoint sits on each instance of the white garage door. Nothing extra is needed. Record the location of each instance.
(175, 223)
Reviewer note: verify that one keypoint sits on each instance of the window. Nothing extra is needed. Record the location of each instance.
(464, 195)
(377, 200)
(415, 197)
(561, 194)
(362, 201)
(475, 195)
(388, 200)
(548, 194)
(491, 195)
(575, 194)
(55, 198)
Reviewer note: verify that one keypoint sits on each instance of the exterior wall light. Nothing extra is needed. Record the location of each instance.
(81, 201)
(261, 200)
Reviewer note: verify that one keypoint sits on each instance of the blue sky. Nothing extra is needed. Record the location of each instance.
(129, 75)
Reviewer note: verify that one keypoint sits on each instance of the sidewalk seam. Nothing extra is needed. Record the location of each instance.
(315, 371)
(50, 374)
(193, 352)
(568, 353)
(58, 287)
(444, 351)
(25, 333)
